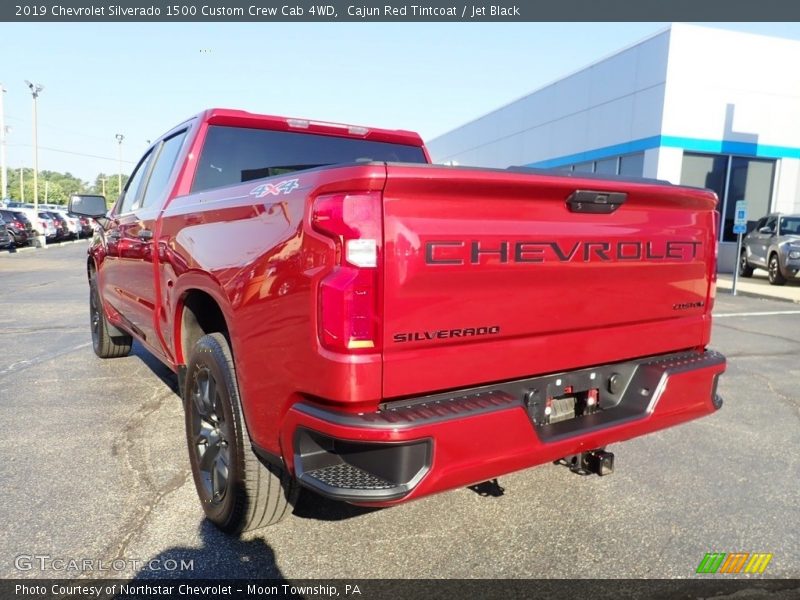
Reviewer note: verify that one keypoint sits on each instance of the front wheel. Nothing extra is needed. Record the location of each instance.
(237, 491)
(774, 270)
(745, 270)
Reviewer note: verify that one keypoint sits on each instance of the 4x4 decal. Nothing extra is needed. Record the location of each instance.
(282, 187)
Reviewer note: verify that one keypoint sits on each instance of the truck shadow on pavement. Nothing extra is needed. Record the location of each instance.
(158, 368)
(314, 506)
(221, 556)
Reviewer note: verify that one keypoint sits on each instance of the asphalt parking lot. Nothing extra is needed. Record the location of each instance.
(94, 466)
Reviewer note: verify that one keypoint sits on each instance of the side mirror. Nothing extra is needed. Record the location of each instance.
(88, 206)
(765, 230)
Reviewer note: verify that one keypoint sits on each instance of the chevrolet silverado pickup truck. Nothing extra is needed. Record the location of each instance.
(346, 317)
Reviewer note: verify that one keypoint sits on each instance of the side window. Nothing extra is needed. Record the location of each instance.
(771, 224)
(134, 183)
(761, 223)
(162, 170)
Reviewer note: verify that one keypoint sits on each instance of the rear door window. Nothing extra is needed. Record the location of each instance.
(162, 170)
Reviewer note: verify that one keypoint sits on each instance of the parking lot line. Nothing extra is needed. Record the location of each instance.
(768, 313)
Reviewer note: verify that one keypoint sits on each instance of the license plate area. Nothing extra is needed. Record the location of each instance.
(576, 395)
(570, 406)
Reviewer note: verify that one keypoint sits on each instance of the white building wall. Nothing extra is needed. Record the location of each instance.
(732, 86)
(787, 186)
(614, 101)
(670, 162)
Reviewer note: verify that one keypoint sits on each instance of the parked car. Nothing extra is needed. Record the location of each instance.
(29, 213)
(6, 240)
(61, 225)
(87, 226)
(73, 224)
(19, 226)
(48, 227)
(774, 245)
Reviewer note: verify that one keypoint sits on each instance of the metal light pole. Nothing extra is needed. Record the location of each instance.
(21, 185)
(3, 132)
(35, 89)
(120, 137)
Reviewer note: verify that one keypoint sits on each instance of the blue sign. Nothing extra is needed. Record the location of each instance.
(740, 228)
(740, 218)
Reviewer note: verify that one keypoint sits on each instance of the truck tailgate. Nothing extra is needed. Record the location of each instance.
(490, 275)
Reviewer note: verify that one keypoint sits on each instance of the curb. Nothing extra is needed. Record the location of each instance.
(727, 293)
(750, 294)
(6, 253)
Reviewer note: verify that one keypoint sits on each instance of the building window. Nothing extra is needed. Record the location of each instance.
(632, 165)
(607, 166)
(732, 178)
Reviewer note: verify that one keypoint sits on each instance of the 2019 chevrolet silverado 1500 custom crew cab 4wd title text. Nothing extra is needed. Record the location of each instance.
(346, 317)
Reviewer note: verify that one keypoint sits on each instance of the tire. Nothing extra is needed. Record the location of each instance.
(774, 270)
(107, 341)
(745, 270)
(238, 493)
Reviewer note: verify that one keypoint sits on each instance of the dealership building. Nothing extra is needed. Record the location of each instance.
(690, 105)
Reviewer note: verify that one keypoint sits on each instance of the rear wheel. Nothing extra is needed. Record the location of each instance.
(745, 270)
(107, 341)
(774, 269)
(237, 491)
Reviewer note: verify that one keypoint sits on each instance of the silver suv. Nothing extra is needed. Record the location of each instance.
(773, 245)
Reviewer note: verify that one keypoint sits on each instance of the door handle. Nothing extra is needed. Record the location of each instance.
(145, 234)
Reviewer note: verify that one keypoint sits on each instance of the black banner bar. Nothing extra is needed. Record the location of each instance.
(394, 11)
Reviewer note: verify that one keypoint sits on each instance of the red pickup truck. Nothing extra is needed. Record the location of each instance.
(344, 316)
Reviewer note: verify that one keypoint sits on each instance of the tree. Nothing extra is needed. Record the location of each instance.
(109, 183)
(54, 187)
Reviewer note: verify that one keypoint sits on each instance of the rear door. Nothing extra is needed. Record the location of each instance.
(491, 275)
(135, 277)
(122, 279)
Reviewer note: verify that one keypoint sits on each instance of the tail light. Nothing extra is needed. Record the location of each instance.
(349, 296)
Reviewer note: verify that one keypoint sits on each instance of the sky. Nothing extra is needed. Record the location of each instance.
(141, 79)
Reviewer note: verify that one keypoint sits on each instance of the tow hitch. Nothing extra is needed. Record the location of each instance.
(598, 462)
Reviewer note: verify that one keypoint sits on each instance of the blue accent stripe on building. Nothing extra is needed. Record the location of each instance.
(671, 141)
(600, 153)
(730, 147)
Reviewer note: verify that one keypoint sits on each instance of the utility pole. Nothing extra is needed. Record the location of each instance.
(21, 186)
(35, 89)
(3, 132)
(120, 137)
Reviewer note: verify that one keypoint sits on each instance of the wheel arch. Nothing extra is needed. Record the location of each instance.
(199, 313)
